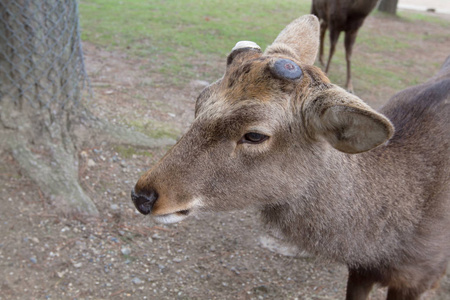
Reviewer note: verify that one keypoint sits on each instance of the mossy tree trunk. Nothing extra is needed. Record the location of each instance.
(42, 121)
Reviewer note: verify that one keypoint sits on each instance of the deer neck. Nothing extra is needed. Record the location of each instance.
(331, 217)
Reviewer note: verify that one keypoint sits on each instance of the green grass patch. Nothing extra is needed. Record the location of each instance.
(155, 129)
(424, 17)
(377, 43)
(186, 40)
(172, 33)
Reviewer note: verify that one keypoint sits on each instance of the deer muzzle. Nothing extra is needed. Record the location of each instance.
(144, 202)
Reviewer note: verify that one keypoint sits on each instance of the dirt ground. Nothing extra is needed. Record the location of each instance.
(123, 254)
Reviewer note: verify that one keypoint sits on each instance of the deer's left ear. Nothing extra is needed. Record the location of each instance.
(299, 40)
(345, 121)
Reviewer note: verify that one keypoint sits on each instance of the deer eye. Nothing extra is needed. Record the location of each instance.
(253, 138)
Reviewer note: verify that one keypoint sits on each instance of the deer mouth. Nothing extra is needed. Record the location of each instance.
(172, 217)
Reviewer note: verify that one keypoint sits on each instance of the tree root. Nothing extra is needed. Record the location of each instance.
(90, 129)
(57, 178)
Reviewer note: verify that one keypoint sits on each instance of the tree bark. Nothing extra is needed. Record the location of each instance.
(42, 120)
(388, 6)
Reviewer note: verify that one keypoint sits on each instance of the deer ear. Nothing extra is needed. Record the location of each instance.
(299, 40)
(346, 122)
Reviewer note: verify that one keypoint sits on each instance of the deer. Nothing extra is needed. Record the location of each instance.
(338, 16)
(364, 188)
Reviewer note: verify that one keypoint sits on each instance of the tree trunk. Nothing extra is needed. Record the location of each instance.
(388, 6)
(41, 117)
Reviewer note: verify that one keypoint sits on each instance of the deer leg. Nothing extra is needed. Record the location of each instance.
(323, 30)
(334, 37)
(350, 37)
(403, 294)
(359, 285)
(428, 282)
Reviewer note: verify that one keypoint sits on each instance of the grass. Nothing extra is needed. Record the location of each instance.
(172, 33)
(184, 40)
(425, 17)
(154, 128)
(376, 61)
(194, 26)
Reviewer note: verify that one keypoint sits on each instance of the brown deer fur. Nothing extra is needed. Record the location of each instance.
(331, 174)
(338, 16)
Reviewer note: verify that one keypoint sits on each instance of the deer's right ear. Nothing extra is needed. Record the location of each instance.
(345, 121)
(299, 40)
(243, 50)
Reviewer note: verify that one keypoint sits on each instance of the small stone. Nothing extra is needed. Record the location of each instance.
(126, 251)
(114, 206)
(136, 280)
(83, 154)
(33, 260)
(62, 273)
(156, 237)
(78, 265)
(177, 259)
(123, 164)
(91, 163)
(53, 254)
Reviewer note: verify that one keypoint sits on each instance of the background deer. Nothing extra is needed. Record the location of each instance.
(341, 15)
(324, 168)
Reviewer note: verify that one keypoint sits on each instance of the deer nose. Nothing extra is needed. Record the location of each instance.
(144, 201)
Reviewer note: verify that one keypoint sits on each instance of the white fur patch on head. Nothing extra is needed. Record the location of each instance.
(245, 44)
(178, 216)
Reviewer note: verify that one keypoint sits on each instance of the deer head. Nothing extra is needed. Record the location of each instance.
(261, 132)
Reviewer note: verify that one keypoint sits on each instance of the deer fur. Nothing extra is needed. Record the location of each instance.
(325, 169)
(338, 16)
